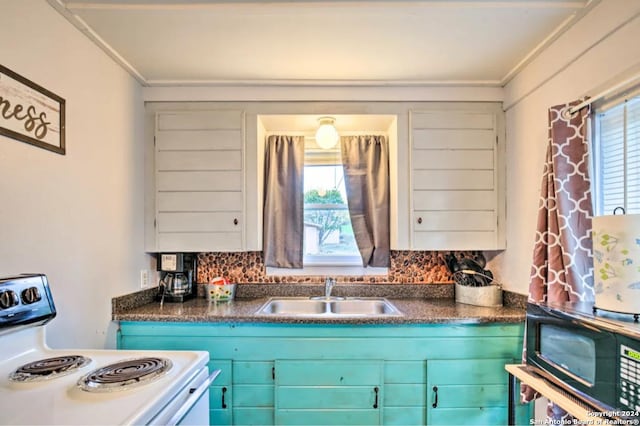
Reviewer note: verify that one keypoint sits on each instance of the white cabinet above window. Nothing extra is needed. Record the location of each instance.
(457, 190)
(199, 181)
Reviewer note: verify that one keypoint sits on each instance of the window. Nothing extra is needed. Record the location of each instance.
(617, 158)
(328, 235)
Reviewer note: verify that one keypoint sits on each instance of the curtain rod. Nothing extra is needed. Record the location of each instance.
(604, 93)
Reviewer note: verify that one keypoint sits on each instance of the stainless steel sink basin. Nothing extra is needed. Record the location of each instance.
(293, 307)
(329, 307)
(363, 307)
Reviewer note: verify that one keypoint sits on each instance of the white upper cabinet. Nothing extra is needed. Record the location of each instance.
(457, 187)
(199, 181)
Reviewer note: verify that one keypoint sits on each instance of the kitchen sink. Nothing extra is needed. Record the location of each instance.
(329, 307)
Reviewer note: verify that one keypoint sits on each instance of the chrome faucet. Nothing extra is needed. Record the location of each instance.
(328, 286)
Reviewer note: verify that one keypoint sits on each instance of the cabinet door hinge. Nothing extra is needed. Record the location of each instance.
(154, 140)
(155, 223)
(496, 139)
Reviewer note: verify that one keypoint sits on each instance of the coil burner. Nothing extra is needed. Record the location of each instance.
(49, 368)
(125, 374)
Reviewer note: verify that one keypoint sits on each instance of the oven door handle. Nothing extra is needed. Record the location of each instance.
(196, 394)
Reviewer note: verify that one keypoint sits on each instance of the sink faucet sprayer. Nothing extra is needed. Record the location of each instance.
(328, 286)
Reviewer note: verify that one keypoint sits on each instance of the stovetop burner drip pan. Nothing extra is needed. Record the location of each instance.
(125, 374)
(49, 368)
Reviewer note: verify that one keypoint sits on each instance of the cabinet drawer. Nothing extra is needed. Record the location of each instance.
(328, 397)
(468, 371)
(328, 373)
(256, 372)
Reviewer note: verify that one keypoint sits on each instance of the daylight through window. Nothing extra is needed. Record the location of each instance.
(617, 158)
(328, 235)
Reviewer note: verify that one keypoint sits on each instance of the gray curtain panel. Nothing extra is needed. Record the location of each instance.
(562, 268)
(366, 173)
(283, 220)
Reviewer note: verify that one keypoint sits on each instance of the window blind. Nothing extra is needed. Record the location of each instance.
(617, 170)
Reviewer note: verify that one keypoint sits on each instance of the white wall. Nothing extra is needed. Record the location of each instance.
(596, 52)
(78, 218)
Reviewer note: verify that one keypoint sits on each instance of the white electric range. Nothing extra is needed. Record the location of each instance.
(40, 385)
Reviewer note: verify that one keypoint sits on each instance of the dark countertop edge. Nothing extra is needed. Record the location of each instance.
(344, 321)
(415, 310)
(122, 304)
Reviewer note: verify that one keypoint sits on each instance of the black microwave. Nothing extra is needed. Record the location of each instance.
(594, 355)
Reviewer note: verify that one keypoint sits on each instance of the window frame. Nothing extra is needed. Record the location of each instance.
(334, 265)
(596, 171)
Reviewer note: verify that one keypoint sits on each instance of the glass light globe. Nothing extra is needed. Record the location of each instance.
(327, 135)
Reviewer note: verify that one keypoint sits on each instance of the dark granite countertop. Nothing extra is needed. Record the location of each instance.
(416, 310)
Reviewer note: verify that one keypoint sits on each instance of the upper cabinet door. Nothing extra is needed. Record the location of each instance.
(457, 195)
(199, 181)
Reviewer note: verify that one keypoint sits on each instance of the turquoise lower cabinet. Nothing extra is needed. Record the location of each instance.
(405, 388)
(301, 374)
(253, 392)
(221, 393)
(467, 392)
(328, 392)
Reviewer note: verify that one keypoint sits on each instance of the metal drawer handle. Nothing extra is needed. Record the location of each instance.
(224, 390)
(435, 403)
(375, 403)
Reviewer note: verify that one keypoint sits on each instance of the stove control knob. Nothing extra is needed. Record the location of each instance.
(30, 295)
(8, 299)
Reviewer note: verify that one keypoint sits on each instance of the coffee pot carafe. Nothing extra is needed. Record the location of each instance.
(177, 272)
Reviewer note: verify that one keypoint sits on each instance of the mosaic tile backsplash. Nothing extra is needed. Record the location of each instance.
(417, 267)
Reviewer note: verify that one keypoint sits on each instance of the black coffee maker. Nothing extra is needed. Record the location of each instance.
(177, 276)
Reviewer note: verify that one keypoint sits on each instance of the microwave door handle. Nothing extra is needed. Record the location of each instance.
(196, 394)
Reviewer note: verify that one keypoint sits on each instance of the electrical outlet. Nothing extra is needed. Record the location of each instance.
(144, 278)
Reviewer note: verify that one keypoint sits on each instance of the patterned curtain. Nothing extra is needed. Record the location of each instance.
(562, 267)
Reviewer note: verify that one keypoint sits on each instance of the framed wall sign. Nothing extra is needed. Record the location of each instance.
(30, 113)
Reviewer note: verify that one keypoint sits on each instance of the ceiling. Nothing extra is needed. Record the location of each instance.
(199, 42)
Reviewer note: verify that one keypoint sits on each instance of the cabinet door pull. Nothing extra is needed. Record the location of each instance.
(419, 220)
(435, 391)
(235, 221)
(375, 403)
(224, 390)
(273, 373)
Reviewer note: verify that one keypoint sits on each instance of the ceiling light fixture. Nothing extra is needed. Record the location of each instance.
(327, 135)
